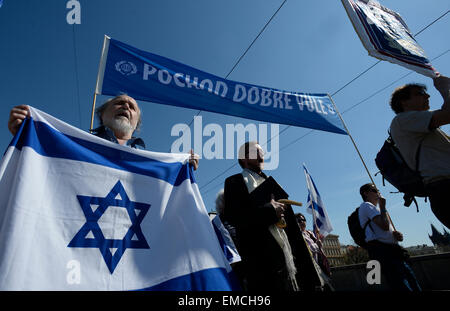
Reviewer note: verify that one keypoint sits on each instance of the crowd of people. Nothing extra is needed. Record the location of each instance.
(277, 252)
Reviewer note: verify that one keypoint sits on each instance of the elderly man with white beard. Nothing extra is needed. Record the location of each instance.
(119, 118)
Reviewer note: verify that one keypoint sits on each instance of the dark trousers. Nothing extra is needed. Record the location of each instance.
(439, 200)
(263, 280)
(394, 266)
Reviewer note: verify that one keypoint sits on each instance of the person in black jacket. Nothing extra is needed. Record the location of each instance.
(273, 257)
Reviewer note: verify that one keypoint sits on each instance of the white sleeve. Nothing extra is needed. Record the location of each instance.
(367, 211)
(414, 121)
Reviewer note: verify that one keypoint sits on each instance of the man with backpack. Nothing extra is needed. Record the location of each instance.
(423, 145)
(381, 241)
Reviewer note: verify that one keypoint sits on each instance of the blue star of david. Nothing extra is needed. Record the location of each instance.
(134, 238)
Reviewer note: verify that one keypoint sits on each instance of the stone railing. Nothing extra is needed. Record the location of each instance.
(432, 272)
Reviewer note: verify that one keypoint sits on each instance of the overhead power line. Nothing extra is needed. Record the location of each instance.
(311, 131)
(333, 94)
(432, 23)
(248, 48)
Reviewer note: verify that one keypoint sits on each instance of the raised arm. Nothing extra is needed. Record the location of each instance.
(442, 116)
(382, 220)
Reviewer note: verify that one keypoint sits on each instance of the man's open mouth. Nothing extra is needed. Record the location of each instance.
(123, 114)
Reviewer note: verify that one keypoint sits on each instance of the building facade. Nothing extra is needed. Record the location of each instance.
(332, 249)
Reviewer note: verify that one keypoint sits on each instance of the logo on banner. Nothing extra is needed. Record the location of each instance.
(126, 68)
(113, 224)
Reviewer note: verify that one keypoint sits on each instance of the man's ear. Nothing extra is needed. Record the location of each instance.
(364, 195)
(404, 104)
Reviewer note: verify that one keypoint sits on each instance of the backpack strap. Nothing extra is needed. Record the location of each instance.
(417, 152)
(368, 224)
(417, 168)
(409, 199)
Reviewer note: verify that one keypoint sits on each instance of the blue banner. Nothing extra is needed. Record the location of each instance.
(149, 77)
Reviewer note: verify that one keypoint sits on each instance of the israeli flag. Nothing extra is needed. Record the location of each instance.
(78, 212)
(316, 207)
(226, 241)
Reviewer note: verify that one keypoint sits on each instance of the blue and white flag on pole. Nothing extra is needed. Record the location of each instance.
(1, 3)
(386, 36)
(226, 241)
(153, 78)
(316, 207)
(81, 213)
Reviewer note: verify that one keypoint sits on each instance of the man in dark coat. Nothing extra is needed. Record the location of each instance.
(274, 258)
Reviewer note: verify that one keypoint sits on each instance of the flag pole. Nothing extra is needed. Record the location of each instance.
(313, 215)
(101, 72)
(313, 212)
(357, 150)
(91, 129)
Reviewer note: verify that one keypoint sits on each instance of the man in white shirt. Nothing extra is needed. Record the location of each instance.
(416, 126)
(382, 241)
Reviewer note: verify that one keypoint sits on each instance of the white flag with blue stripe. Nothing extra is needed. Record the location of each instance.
(78, 212)
(316, 207)
(226, 241)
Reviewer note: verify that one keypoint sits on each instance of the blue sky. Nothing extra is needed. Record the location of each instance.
(310, 46)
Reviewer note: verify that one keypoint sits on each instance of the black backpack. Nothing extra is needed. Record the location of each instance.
(357, 232)
(394, 169)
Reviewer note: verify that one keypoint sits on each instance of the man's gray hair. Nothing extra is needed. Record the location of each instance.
(100, 110)
(220, 202)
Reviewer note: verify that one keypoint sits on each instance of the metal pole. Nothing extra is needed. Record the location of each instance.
(357, 150)
(93, 113)
(313, 212)
(348, 133)
(101, 72)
